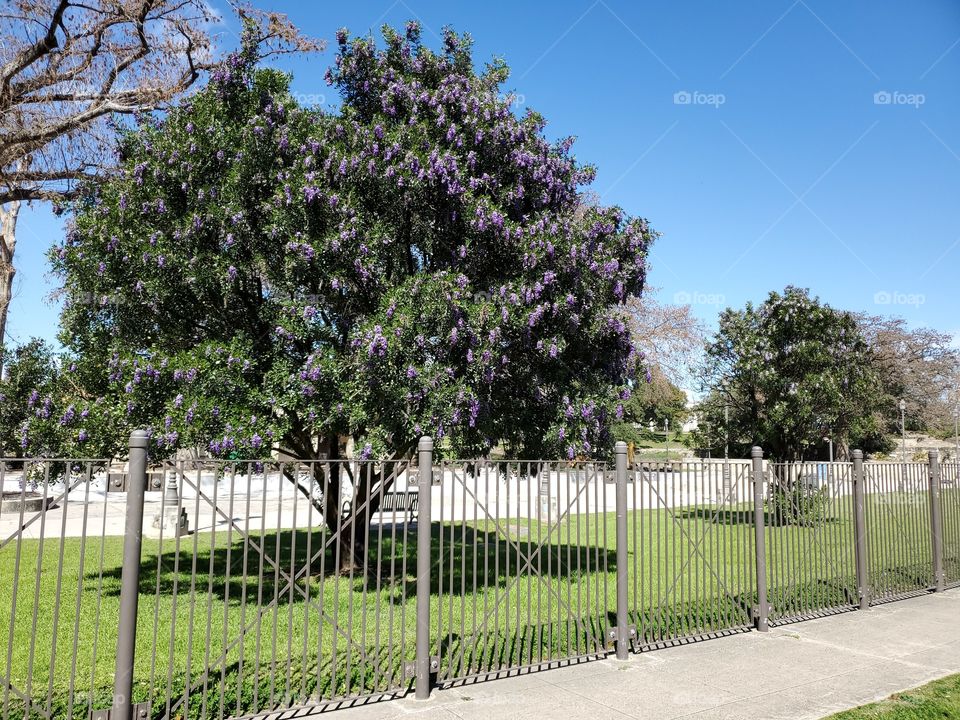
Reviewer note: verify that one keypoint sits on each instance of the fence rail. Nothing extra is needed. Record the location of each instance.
(213, 589)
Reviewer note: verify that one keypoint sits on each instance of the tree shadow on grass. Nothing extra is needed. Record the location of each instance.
(464, 559)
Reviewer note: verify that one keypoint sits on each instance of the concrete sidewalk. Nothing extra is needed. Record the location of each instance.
(804, 670)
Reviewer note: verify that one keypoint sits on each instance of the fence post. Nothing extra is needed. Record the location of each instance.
(936, 533)
(762, 610)
(424, 488)
(122, 708)
(860, 529)
(623, 631)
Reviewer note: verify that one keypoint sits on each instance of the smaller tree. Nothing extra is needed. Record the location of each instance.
(656, 401)
(29, 371)
(791, 373)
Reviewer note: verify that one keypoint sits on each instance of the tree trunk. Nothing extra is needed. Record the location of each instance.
(349, 525)
(8, 246)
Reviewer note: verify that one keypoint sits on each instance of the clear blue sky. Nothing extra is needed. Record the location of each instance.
(784, 167)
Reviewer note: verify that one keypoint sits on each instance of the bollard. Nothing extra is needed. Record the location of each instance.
(860, 529)
(623, 632)
(936, 533)
(424, 488)
(760, 617)
(122, 708)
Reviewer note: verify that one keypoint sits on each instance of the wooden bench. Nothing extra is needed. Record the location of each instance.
(402, 502)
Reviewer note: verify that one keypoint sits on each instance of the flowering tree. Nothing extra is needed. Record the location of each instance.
(265, 277)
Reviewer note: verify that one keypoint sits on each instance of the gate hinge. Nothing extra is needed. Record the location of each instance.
(410, 668)
(120, 482)
(612, 633)
(140, 711)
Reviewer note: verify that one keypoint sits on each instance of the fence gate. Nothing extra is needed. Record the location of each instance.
(56, 578)
(810, 540)
(690, 535)
(524, 565)
(898, 529)
(261, 607)
(950, 510)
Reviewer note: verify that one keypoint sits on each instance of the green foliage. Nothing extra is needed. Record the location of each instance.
(655, 401)
(261, 275)
(29, 371)
(794, 503)
(43, 411)
(791, 372)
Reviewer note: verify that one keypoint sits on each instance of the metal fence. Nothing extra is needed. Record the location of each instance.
(210, 589)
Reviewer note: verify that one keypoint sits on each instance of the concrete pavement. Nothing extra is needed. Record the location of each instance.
(803, 670)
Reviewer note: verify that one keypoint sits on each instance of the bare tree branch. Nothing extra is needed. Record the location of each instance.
(68, 67)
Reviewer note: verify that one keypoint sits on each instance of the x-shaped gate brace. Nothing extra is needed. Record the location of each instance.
(86, 477)
(815, 538)
(731, 492)
(290, 580)
(875, 483)
(527, 562)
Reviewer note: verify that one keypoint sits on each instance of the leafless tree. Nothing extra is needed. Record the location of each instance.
(670, 336)
(921, 366)
(69, 69)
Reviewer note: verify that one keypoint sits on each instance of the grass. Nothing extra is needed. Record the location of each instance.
(934, 701)
(212, 601)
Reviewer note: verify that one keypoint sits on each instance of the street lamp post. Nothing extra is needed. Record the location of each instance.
(903, 428)
(666, 432)
(956, 439)
(726, 432)
(903, 435)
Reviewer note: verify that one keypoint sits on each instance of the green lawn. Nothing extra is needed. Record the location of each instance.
(935, 701)
(274, 643)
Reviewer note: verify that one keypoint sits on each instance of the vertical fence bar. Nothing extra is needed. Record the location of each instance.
(758, 524)
(424, 488)
(860, 529)
(130, 577)
(623, 634)
(936, 531)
